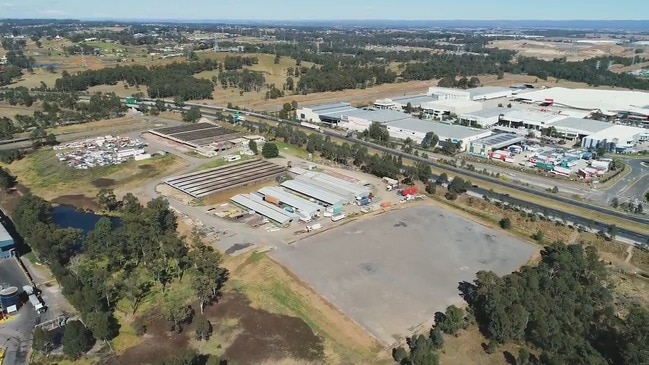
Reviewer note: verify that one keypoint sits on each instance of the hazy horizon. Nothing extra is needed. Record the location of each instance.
(333, 10)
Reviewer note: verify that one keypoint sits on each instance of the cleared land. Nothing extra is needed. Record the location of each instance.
(43, 174)
(550, 50)
(411, 259)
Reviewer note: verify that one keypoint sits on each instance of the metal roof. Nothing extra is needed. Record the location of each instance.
(374, 115)
(590, 99)
(484, 90)
(323, 108)
(500, 140)
(487, 113)
(5, 236)
(532, 116)
(302, 205)
(440, 129)
(338, 184)
(262, 208)
(314, 192)
(414, 100)
(326, 185)
(587, 126)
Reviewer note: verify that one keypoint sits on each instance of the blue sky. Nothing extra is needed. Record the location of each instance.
(327, 9)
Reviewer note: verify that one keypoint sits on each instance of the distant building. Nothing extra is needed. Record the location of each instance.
(475, 94)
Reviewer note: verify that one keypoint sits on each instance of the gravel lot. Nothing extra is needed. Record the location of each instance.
(393, 272)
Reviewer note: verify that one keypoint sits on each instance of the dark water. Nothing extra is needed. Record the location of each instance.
(66, 216)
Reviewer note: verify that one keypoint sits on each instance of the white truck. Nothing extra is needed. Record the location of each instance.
(36, 303)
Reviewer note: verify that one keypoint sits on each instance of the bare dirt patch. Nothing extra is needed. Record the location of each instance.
(550, 50)
(103, 183)
(272, 336)
(159, 343)
(78, 201)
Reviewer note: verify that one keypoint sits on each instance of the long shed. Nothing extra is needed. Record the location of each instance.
(302, 205)
(325, 196)
(7, 244)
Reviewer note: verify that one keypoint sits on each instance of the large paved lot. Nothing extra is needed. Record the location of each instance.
(393, 272)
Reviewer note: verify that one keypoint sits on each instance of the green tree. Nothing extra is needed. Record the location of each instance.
(270, 150)
(102, 325)
(431, 187)
(450, 321)
(160, 105)
(612, 231)
(253, 146)
(107, 199)
(50, 139)
(76, 339)
(37, 136)
(42, 340)
(192, 115)
(131, 204)
(505, 223)
(635, 337)
(7, 181)
(615, 203)
(176, 311)
(203, 329)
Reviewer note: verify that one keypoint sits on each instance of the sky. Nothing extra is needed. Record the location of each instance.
(327, 9)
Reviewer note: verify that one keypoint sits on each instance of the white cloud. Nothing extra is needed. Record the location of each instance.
(52, 12)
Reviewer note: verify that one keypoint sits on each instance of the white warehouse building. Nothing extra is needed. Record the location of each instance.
(484, 118)
(478, 93)
(450, 106)
(416, 130)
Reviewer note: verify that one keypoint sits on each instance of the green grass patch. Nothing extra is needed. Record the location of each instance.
(127, 337)
(285, 148)
(219, 161)
(106, 45)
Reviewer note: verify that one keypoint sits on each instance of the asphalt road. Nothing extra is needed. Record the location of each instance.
(15, 334)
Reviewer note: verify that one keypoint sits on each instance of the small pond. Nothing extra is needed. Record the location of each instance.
(66, 216)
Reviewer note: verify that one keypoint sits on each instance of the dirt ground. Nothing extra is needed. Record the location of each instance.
(272, 288)
(550, 50)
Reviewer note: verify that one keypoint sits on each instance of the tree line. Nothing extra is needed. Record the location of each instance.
(173, 80)
(57, 109)
(561, 311)
(126, 260)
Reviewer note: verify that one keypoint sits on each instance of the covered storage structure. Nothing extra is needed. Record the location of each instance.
(255, 203)
(303, 206)
(317, 193)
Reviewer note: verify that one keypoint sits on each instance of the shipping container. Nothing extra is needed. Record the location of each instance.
(409, 191)
(545, 166)
(271, 199)
(337, 217)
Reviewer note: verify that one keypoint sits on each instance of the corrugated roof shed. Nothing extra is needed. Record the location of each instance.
(487, 113)
(354, 189)
(582, 125)
(5, 238)
(440, 129)
(302, 205)
(314, 192)
(262, 208)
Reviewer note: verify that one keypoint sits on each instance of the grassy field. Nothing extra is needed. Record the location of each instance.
(10, 111)
(49, 178)
(219, 161)
(270, 287)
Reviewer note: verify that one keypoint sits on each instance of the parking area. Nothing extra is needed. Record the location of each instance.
(392, 272)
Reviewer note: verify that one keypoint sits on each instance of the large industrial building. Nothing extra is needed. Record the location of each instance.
(483, 118)
(400, 102)
(483, 146)
(416, 130)
(607, 101)
(448, 107)
(279, 196)
(199, 135)
(7, 245)
(475, 94)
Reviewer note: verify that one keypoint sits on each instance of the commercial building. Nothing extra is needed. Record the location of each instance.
(336, 185)
(320, 113)
(345, 116)
(616, 138)
(255, 203)
(576, 128)
(483, 118)
(613, 101)
(483, 146)
(199, 134)
(478, 93)
(399, 103)
(416, 130)
(522, 121)
(318, 194)
(447, 107)
(302, 206)
(7, 244)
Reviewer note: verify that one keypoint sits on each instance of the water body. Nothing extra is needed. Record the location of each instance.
(66, 216)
